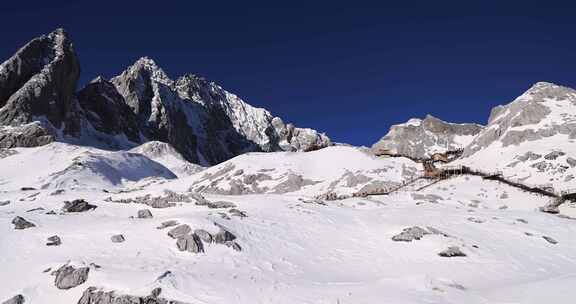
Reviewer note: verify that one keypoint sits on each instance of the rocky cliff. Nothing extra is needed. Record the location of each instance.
(204, 122)
(419, 138)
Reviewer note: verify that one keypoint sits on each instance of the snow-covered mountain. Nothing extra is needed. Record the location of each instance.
(103, 200)
(532, 139)
(203, 122)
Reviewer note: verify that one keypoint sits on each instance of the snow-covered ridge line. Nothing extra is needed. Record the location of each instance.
(203, 122)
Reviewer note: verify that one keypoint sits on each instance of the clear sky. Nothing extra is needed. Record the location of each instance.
(349, 69)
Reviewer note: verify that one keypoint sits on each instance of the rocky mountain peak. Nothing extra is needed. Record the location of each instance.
(38, 84)
(147, 68)
(544, 110)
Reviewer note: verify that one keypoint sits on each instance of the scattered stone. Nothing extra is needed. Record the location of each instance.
(224, 216)
(550, 240)
(475, 220)
(504, 195)
(552, 205)
(51, 212)
(69, 277)
(190, 243)
(179, 231)
(571, 161)
(503, 207)
(18, 299)
(93, 295)
(200, 200)
(57, 192)
(233, 245)
(117, 238)
(554, 155)
(528, 234)
(78, 205)
(410, 234)
(452, 251)
(167, 224)
(47, 270)
(54, 241)
(156, 292)
(166, 274)
(436, 231)
(95, 266)
(21, 223)
(35, 209)
(204, 235)
(4, 203)
(522, 221)
(27, 189)
(220, 204)
(238, 213)
(144, 213)
(223, 236)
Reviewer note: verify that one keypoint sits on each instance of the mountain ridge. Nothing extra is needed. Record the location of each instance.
(204, 122)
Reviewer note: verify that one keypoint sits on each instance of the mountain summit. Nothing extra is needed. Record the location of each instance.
(205, 123)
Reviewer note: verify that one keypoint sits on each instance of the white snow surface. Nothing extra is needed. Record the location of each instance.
(294, 249)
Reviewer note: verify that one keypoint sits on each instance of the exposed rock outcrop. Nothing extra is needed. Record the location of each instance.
(21, 223)
(17, 299)
(202, 121)
(529, 117)
(93, 295)
(78, 205)
(69, 277)
(39, 81)
(420, 138)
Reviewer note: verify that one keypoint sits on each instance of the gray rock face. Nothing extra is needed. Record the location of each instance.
(205, 123)
(223, 236)
(117, 238)
(518, 121)
(144, 213)
(40, 81)
(204, 235)
(167, 224)
(225, 126)
(571, 161)
(93, 295)
(107, 111)
(550, 240)
(78, 205)
(20, 223)
(54, 241)
(18, 299)
(233, 245)
(452, 251)
(410, 234)
(69, 277)
(28, 135)
(179, 231)
(417, 138)
(190, 243)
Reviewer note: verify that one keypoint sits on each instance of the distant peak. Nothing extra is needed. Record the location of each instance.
(146, 61)
(98, 79)
(150, 66)
(542, 84)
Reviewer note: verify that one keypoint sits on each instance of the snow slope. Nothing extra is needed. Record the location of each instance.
(337, 169)
(166, 155)
(298, 252)
(62, 166)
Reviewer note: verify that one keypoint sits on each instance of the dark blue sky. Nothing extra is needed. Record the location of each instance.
(345, 68)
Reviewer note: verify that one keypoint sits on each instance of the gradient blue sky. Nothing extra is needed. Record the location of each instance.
(346, 68)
